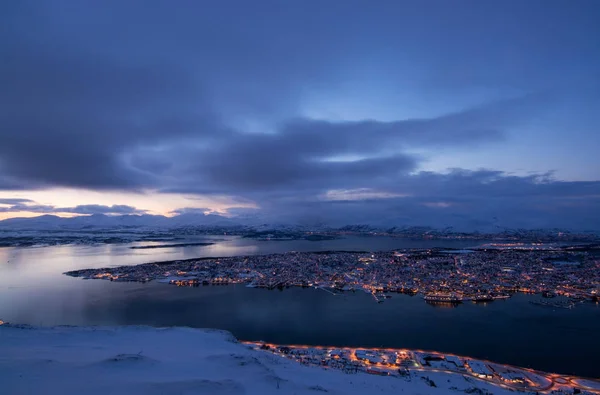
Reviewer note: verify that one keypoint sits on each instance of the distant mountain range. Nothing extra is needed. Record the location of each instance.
(101, 221)
(219, 223)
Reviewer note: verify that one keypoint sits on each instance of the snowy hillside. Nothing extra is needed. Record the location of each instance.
(144, 360)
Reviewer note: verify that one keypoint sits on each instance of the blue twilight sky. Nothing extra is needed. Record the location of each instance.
(442, 113)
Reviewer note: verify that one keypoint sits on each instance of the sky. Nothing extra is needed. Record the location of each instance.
(435, 113)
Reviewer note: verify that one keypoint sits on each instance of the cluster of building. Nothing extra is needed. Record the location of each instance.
(440, 276)
(401, 362)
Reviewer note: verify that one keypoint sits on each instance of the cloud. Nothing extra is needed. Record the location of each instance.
(465, 200)
(462, 199)
(5, 201)
(202, 100)
(8, 183)
(309, 156)
(191, 210)
(27, 205)
(119, 117)
(359, 194)
(100, 209)
(31, 208)
(78, 120)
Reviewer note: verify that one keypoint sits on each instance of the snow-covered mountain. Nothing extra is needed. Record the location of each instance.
(144, 360)
(100, 222)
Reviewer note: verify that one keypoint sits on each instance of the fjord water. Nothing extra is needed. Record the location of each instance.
(34, 291)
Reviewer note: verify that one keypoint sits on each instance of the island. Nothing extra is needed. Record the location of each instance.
(440, 276)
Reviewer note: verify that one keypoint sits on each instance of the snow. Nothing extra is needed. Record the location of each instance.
(145, 360)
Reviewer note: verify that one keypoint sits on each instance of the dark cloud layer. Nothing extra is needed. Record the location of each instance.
(465, 200)
(134, 95)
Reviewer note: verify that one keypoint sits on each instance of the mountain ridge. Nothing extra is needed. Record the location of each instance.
(216, 221)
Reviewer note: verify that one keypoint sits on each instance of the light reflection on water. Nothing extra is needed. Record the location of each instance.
(34, 291)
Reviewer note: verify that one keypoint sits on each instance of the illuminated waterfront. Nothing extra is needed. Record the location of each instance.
(442, 277)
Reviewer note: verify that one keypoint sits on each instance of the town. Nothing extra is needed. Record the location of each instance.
(411, 364)
(441, 276)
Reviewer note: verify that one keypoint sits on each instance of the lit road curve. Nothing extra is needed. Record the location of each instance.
(551, 382)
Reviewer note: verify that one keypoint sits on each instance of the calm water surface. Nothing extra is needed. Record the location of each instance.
(34, 291)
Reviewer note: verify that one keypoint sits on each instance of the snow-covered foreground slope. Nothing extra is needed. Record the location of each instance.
(144, 360)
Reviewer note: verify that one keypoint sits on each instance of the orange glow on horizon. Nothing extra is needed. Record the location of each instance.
(153, 202)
